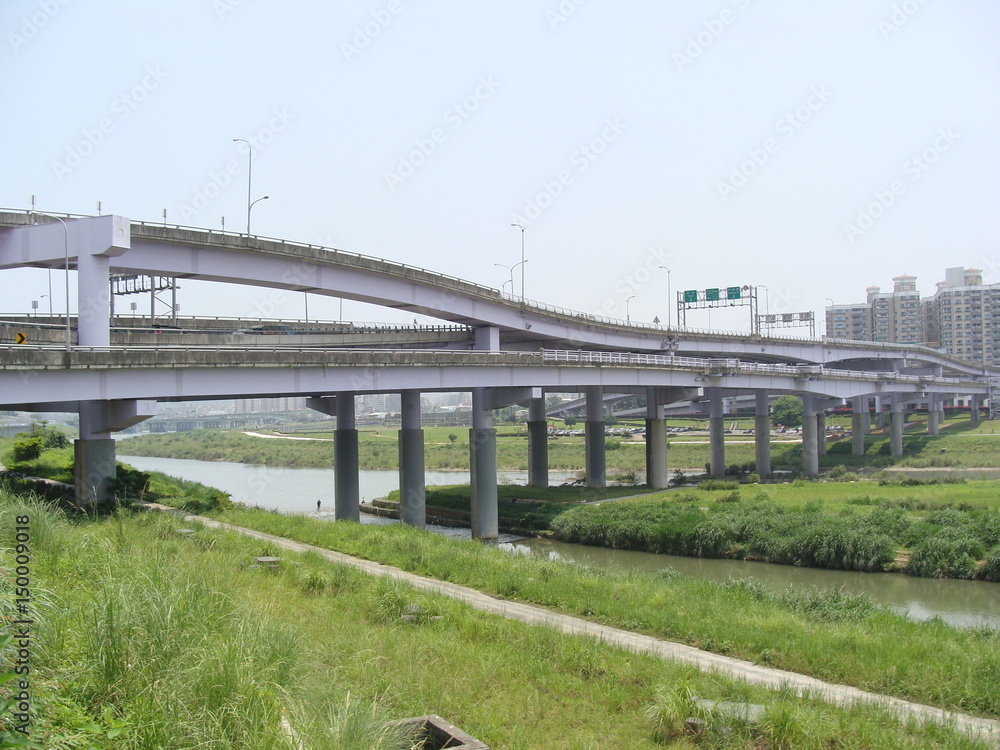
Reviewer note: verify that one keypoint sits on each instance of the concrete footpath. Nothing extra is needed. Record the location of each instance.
(986, 730)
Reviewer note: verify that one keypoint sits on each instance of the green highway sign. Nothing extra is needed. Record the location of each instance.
(712, 295)
(733, 292)
(691, 295)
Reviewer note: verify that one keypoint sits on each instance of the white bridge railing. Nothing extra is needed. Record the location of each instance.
(732, 366)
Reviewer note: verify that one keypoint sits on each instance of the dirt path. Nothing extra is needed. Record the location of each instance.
(987, 730)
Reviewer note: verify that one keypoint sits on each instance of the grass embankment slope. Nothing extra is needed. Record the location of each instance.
(825, 633)
(144, 637)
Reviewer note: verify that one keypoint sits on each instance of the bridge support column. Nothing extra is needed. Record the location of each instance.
(821, 433)
(487, 339)
(933, 416)
(881, 416)
(94, 459)
(94, 301)
(94, 472)
(596, 461)
(538, 444)
(896, 427)
(346, 487)
(762, 434)
(412, 487)
(810, 451)
(860, 424)
(975, 403)
(716, 433)
(656, 443)
(483, 464)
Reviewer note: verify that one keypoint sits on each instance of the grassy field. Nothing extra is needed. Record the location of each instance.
(824, 633)
(959, 445)
(144, 637)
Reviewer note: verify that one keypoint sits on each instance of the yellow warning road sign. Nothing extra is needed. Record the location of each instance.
(20, 337)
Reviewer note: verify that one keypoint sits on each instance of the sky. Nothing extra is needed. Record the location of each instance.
(812, 148)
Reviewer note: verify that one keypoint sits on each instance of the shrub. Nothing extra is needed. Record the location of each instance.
(129, 482)
(991, 570)
(949, 554)
(718, 484)
(27, 449)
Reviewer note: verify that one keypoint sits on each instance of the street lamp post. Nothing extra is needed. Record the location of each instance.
(670, 302)
(69, 335)
(249, 178)
(511, 279)
(628, 317)
(248, 213)
(767, 307)
(520, 264)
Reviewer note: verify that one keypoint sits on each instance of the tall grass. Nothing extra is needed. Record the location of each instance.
(947, 543)
(153, 639)
(928, 662)
(757, 530)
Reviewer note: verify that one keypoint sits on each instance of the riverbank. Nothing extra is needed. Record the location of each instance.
(799, 631)
(132, 658)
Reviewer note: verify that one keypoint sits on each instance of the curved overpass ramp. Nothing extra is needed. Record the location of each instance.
(130, 247)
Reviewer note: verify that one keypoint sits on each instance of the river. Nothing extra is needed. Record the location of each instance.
(959, 603)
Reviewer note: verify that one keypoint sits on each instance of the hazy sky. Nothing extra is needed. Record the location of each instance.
(813, 147)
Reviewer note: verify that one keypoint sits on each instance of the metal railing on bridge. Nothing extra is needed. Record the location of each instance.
(723, 366)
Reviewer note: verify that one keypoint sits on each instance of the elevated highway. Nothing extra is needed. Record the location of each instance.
(119, 245)
(503, 350)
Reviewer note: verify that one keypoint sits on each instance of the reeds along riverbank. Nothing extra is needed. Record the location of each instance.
(147, 637)
(948, 542)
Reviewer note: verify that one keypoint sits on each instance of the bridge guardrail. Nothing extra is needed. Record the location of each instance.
(722, 364)
(712, 366)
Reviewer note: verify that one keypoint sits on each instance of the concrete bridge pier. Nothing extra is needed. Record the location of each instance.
(762, 433)
(538, 444)
(975, 404)
(821, 432)
(881, 416)
(412, 486)
(810, 448)
(596, 459)
(933, 415)
(483, 464)
(94, 457)
(346, 483)
(656, 443)
(896, 422)
(716, 433)
(860, 424)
